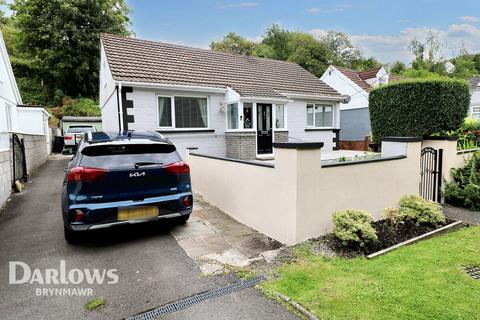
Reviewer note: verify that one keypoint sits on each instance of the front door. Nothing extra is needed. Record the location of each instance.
(264, 128)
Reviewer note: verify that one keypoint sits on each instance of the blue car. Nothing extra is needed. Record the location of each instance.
(124, 178)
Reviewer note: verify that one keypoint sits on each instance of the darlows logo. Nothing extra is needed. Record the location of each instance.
(21, 273)
(137, 174)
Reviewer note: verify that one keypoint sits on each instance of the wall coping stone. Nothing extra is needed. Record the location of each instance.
(298, 145)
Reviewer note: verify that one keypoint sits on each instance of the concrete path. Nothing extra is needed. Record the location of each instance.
(152, 267)
(457, 213)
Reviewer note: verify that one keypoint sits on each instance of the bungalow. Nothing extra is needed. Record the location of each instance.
(355, 117)
(222, 103)
(19, 125)
(475, 98)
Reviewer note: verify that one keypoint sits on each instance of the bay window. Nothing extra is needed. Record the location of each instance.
(232, 116)
(182, 112)
(279, 116)
(247, 115)
(319, 116)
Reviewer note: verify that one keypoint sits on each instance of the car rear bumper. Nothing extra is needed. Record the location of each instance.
(104, 215)
(84, 227)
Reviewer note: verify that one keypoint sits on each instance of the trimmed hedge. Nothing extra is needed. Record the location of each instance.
(418, 108)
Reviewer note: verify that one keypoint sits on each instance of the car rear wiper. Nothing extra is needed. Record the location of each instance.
(142, 164)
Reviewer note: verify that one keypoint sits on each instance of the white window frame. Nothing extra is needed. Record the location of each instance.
(475, 114)
(172, 107)
(323, 105)
(240, 117)
(274, 112)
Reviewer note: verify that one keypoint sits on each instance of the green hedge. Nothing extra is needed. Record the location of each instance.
(418, 108)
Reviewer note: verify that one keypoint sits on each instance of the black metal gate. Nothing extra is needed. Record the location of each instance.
(19, 159)
(431, 174)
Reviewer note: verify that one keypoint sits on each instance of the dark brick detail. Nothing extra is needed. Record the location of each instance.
(241, 145)
(336, 139)
(125, 105)
(280, 136)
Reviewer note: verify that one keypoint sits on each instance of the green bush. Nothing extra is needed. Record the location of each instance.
(418, 108)
(80, 107)
(420, 211)
(393, 216)
(464, 190)
(354, 227)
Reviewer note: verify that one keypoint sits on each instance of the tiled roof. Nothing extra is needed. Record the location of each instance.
(475, 83)
(368, 74)
(395, 78)
(138, 60)
(353, 75)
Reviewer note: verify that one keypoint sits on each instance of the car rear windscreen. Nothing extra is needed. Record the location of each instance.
(79, 129)
(117, 156)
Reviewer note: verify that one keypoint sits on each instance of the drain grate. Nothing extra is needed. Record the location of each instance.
(187, 302)
(473, 271)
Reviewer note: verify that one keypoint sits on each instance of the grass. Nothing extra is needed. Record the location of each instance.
(421, 281)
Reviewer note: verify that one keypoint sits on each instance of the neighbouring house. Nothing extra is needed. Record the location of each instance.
(19, 125)
(475, 98)
(222, 103)
(68, 121)
(355, 117)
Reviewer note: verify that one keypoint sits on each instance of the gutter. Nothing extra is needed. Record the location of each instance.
(172, 87)
(316, 97)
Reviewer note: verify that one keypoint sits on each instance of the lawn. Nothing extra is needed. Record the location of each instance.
(421, 281)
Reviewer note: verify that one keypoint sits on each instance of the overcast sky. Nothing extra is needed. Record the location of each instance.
(381, 28)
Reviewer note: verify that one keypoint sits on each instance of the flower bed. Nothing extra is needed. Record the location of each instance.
(356, 233)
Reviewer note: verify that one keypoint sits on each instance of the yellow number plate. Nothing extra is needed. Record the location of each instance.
(132, 213)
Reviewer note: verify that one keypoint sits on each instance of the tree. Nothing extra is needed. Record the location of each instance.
(277, 39)
(398, 67)
(340, 46)
(232, 42)
(62, 37)
(309, 53)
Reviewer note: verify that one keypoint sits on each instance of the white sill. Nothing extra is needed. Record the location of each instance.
(169, 129)
(240, 130)
(280, 130)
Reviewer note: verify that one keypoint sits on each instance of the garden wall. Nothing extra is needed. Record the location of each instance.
(294, 198)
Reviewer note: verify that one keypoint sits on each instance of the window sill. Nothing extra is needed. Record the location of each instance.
(280, 130)
(321, 129)
(169, 131)
(239, 130)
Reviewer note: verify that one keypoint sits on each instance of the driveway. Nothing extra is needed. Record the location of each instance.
(152, 267)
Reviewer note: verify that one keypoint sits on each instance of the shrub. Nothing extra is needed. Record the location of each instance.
(464, 190)
(418, 108)
(80, 107)
(393, 216)
(421, 211)
(354, 227)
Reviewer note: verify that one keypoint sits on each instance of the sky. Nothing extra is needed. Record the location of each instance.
(380, 28)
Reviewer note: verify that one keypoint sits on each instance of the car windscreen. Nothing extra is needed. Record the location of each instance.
(79, 129)
(118, 156)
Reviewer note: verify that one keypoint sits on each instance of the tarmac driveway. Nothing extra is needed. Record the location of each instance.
(151, 266)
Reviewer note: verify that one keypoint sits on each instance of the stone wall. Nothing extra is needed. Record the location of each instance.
(35, 151)
(5, 176)
(280, 136)
(241, 145)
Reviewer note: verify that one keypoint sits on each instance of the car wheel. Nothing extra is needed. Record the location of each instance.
(183, 219)
(71, 236)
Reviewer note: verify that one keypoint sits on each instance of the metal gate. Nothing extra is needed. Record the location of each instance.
(19, 159)
(431, 174)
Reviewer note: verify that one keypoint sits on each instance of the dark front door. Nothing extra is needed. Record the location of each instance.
(264, 128)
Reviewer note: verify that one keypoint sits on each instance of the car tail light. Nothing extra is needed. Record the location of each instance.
(187, 201)
(179, 167)
(83, 174)
(68, 138)
(78, 215)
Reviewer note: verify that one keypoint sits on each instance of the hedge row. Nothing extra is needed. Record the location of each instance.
(418, 108)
